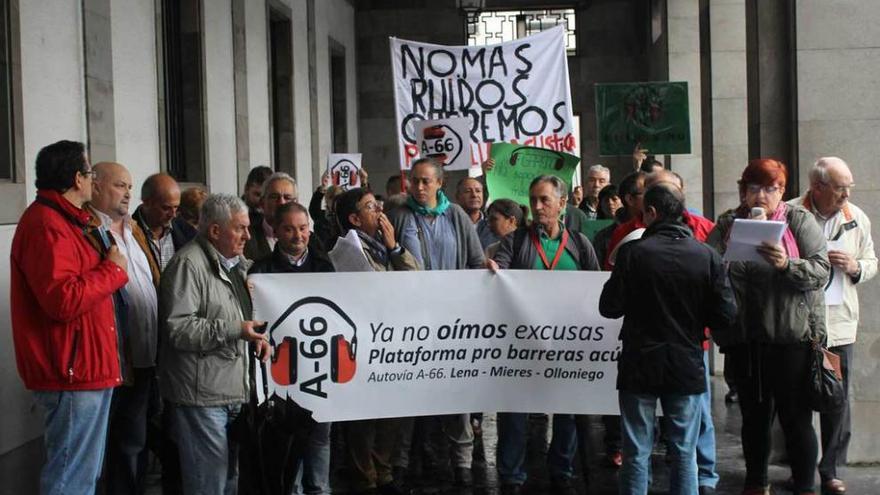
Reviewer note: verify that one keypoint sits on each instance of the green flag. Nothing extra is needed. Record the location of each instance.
(654, 114)
(516, 165)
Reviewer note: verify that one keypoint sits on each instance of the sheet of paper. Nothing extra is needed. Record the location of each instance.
(348, 254)
(746, 235)
(834, 287)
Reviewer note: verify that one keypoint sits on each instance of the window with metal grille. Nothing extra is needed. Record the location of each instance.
(488, 27)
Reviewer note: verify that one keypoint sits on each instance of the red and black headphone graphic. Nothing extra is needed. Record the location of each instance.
(557, 165)
(310, 317)
(344, 173)
(447, 153)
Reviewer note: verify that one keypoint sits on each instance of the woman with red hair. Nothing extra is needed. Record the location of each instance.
(781, 312)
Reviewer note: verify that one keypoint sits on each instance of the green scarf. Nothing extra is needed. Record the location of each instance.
(442, 205)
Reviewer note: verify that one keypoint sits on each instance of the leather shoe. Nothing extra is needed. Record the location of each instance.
(562, 486)
(463, 476)
(615, 459)
(833, 487)
(511, 489)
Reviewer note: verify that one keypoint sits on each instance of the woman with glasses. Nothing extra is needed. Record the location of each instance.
(781, 311)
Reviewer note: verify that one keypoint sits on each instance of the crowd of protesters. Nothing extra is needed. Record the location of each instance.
(135, 330)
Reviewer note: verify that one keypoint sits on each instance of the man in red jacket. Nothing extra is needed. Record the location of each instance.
(63, 324)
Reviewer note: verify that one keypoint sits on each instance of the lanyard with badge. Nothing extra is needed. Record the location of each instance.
(540, 248)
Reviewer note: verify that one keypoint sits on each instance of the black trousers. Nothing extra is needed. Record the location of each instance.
(126, 459)
(772, 379)
(835, 427)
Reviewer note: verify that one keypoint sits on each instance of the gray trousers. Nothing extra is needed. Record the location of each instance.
(457, 429)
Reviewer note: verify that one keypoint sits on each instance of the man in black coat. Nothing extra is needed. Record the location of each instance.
(668, 287)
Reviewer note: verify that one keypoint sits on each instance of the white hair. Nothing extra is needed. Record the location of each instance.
(219, 209)
(819, 172)
(599, 168)
(277, 176)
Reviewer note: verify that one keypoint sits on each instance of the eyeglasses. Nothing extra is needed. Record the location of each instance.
(839, 189)
(768, 190)
(370, 206)
(89, 173)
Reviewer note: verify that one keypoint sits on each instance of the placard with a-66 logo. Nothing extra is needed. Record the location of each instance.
(446, 140)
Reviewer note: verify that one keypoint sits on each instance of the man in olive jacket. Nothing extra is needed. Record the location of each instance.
(206, 309)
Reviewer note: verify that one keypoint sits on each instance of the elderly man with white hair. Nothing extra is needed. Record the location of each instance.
(851, 252)
(597, 178)
(205, 309)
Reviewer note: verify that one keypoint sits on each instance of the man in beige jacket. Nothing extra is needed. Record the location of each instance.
(851, 252)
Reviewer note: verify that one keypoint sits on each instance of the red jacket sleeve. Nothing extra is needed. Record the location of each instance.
(64, 289)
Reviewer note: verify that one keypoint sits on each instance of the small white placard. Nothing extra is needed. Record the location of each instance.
(446, 140)
(834, 287)
(343, 170)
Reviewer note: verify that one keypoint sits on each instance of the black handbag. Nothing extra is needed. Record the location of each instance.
(827, 394)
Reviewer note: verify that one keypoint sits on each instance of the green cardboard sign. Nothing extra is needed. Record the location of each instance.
(516, 165)
(653, 114)
(592, 227)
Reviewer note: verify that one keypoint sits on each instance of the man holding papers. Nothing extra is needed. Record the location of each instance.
(851, 252)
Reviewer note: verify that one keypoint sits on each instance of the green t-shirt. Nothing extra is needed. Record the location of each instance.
(566, 261)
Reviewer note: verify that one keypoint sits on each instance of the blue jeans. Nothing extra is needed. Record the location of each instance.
(682, 416)
(208, 458)
(75, 438)
(706, 441)
(313, 475)
(513, 432)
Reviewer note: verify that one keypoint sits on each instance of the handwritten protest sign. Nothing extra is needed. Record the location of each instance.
(509, 92)
(446, 140)
(516, 165)
(653, 114)
(345, 350)
(343, 170)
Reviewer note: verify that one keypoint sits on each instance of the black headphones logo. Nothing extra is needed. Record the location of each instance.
(557, 165)
(344, 173)
(310, 319)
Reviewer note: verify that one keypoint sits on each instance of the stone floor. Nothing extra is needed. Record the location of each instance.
(603, 479)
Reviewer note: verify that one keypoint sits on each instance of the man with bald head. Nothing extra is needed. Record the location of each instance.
(136, 323)
(157, 216)
(851, 252)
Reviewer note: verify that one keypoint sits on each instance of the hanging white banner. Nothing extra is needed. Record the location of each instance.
(515, 92)
(370, 345)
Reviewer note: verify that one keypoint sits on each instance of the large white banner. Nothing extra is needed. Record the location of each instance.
(515, 92)
(369, 345)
